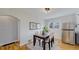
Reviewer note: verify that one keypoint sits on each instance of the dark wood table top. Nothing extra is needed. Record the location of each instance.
(42, 36)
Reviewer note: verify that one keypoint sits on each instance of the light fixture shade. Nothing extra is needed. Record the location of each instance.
(47, 10)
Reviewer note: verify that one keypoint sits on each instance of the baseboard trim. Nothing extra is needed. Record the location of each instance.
(9, 43)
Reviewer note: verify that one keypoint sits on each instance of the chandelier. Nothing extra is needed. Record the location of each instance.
(47, 10)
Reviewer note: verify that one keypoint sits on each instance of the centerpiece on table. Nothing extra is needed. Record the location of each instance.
(45, 30)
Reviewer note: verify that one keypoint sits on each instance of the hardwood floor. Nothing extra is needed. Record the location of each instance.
(66, 46)
(15, 46)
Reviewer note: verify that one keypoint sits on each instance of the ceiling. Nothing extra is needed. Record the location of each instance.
(39, 12)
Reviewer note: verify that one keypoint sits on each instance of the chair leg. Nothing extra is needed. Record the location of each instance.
(42, 43)
(52, 42)
(39, 42)
(49, 45)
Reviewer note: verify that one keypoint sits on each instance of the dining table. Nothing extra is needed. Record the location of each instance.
(42, 37)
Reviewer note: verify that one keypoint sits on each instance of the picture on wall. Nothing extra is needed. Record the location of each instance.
(34, 26)
(51, 25)
(54, 25)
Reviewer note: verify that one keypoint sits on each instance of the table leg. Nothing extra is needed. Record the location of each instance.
(34, 40)
(44, 45)
(39, 42)
(49, 45)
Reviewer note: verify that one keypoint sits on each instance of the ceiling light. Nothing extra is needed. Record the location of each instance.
(47, 10)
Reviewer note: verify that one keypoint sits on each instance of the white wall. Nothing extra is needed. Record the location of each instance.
(24, 19)
(25, 33)
(8, 30)
(57, 32)
(77, 18)
(67, 18)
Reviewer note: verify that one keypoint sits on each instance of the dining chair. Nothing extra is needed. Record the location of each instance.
(46, 42)
(49, 41)
(39, 40)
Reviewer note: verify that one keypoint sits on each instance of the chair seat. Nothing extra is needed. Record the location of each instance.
(47, 40)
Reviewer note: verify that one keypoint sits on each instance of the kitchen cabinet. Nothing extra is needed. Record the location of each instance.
(77, 38)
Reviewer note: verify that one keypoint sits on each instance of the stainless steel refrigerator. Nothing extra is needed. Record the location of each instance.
(68, 33)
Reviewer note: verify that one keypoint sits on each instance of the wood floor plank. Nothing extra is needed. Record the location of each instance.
(16, 46)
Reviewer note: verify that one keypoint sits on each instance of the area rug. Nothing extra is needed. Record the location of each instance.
(37, 47)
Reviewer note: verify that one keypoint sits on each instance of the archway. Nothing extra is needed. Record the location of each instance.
(9, 31)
